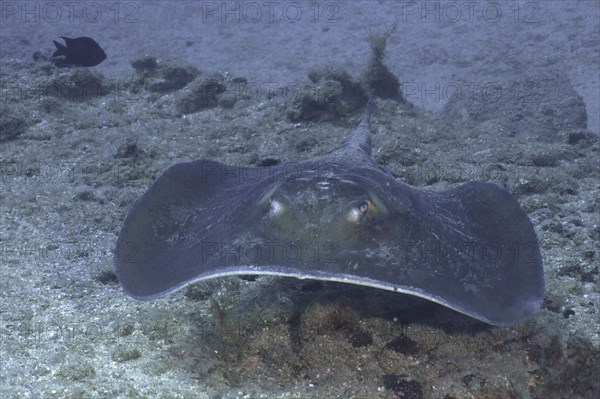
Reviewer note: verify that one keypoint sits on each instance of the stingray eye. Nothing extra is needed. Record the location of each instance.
(358, 213)
(364, 207)
(276, 207)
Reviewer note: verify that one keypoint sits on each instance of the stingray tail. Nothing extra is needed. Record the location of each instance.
(361, 136)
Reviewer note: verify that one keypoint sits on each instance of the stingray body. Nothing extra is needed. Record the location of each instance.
(340, 217)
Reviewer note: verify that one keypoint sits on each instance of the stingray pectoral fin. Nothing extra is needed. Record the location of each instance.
(171, 231)
(496, 273)
(471, 248)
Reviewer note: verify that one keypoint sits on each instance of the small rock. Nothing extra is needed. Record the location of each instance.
(145, 65)
(128, 149)
(360, 338)
(332, 94)
(108, 277)
(12, 125)
(403, 386)
(77, 85)
(164, 76)
(404, 345)
(86, 195)
(582, 137)
(200, 95)
(124, 355)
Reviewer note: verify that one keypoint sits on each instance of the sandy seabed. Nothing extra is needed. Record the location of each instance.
(73, 161)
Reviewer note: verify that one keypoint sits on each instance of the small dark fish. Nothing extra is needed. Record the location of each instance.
(82, 51)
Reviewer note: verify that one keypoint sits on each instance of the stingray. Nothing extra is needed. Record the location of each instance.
(339, 217)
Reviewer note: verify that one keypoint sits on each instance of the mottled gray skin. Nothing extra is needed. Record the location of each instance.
(339, 217)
